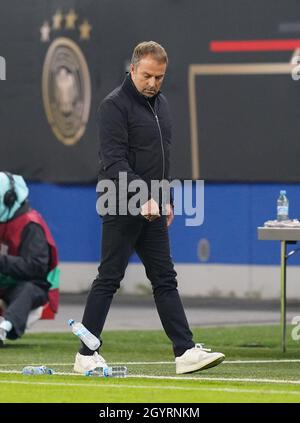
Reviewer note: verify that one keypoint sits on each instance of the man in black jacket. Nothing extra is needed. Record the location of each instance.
(135, 136)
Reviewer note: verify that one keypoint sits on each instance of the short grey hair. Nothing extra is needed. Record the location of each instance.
(149, 48)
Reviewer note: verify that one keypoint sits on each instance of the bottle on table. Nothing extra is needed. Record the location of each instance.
(282, 207)
(90, 340)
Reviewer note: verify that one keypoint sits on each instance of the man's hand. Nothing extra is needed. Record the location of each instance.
(150, 210)
(169, 214)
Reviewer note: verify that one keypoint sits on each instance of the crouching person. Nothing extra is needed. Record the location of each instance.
(29, 274)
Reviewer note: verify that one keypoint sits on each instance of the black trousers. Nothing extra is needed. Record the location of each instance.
(20, 300)
(122, 235)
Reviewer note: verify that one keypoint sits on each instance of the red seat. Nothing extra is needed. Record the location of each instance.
(47, 313)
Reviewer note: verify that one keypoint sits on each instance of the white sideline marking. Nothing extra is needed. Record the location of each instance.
(283, 360)
(164, 362)
(181, 378)
(224, 362)
(222, 379)
(180, 388)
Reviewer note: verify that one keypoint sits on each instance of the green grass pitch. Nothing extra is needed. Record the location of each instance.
(255, 369)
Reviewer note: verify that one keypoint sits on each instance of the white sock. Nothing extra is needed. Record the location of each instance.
(6, 325)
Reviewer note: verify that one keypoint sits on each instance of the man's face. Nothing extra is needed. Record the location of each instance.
(148, 75)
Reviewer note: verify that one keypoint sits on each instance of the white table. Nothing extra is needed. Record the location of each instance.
(285, 236)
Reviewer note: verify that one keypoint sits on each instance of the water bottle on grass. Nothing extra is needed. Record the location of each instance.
(37, 370)
(113, 371)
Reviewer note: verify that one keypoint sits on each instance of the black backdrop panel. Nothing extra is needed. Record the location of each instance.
(248, 126)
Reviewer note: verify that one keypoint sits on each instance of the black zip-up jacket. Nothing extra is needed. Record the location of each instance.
(135, 135)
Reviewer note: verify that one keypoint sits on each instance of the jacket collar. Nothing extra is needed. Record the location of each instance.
(130, 88)
(25, 207)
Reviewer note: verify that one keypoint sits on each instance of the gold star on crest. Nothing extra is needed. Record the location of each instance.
(56, 20)
(85, 29)
(71, 17)
(45, 31)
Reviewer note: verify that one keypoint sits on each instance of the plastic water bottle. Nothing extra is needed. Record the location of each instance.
(282, 206)
(39, 370)
(114, 371)
(90, 340)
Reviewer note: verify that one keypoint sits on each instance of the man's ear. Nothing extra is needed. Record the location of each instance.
(132, 68)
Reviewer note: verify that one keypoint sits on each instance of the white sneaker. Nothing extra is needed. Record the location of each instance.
(2, 337)
(197, 358)
(83, 363)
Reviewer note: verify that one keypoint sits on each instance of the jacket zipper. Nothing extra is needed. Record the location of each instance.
(161, 139)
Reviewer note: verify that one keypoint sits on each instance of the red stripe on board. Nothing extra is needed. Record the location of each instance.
(254, 45)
